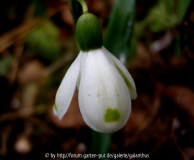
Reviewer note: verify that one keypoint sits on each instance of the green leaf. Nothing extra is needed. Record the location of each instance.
(75, 8)
(182, 6)
(119, 32)
(5, 64)
(40, 8)
(165, 14)
(44, 41)
(175, 46)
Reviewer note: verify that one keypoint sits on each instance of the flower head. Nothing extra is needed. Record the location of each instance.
(105, 87)
(105, 90)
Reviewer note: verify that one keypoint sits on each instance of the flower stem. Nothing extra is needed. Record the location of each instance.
(84, 6)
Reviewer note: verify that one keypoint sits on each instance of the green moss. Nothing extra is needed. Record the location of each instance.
(112, 115)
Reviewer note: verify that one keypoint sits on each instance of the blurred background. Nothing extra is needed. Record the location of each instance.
(153, 38)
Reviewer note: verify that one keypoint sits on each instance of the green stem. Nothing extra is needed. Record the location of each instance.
(84, 6)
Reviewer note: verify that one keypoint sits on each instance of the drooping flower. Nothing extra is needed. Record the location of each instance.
(105, 87)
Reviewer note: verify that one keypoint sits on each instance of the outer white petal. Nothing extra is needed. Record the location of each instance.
(67, 88)
(124, 73)
(102, 88)
(83, 59)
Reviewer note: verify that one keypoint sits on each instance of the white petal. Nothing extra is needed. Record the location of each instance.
(83, 59)
(104, 98)
(67, 88)
(124, 73)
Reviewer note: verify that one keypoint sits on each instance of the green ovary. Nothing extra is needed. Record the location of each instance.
(112, 115)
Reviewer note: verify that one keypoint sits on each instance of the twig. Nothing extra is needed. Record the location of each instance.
(4, 138)
(11, 37)
(18, 50)
(23, 113)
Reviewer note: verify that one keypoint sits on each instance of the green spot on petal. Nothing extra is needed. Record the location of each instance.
(55, 107)
(112, 115)
(130, 87)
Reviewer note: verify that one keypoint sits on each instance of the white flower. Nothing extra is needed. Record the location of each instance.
(105, 90)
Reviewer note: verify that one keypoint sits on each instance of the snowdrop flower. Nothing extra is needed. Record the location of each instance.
(105, 87)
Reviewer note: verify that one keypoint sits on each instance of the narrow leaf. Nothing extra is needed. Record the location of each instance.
(120, 28)
(182, 6)
(40, 8)
(165, 15)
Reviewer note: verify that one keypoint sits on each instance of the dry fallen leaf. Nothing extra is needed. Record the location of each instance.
(182, 96)
(31, 71)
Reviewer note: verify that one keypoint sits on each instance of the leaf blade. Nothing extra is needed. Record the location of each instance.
(120, 29)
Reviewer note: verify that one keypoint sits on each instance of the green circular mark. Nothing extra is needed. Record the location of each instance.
(112, 115)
